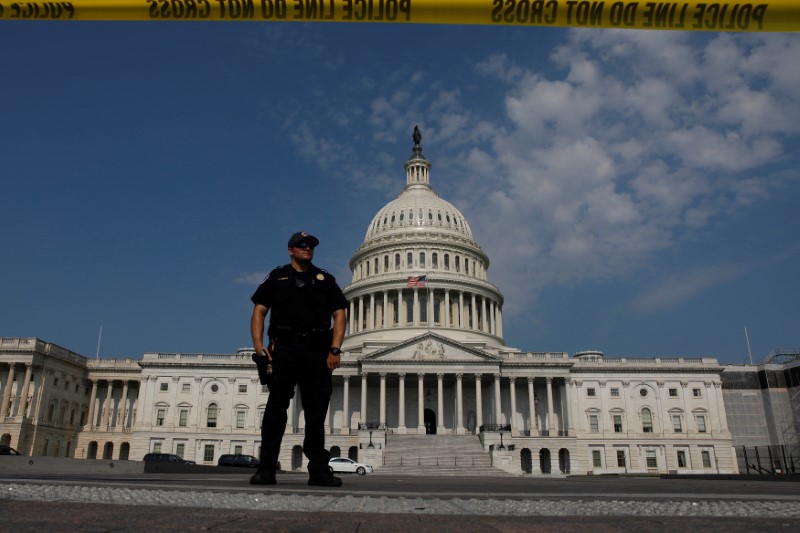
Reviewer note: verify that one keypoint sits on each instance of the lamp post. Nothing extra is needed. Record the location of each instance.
(501, 447)
(370, 445)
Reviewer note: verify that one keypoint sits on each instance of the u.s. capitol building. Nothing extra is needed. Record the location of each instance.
(426, 381)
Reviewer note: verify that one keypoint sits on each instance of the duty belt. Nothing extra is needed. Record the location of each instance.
(297, 334)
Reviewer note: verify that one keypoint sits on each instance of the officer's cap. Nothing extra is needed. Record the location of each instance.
(302, 236)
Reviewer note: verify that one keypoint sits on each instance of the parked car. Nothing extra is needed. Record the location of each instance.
(166, 458)
(343, 464)
(247, 461)
(8, 450)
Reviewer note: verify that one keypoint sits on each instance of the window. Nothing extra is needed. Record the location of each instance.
(55, 382)
(435, 260)
(447, 261)
(701, 423)
(643, 393)
(237, 450)
(651, 459)
(673, 393)
(676, 423)
(594, 425)
(647, 421)
(160, 417)
(706, 455)
(186, 387)
(697, 393)
(617, 423)
(183, 417)
(681, 459)
(260, 418)
(422, 259)
(397, 261)
(264, 388)
(621, 459)
(614, 392)
(590, 392)
(409, 260)
(164, 387)
(240, 419)
(458, 264)
(180, 449)
(242, 389)
(157, 447)
(597, 459)
(386, 263)
(211, 419)
(208, 453)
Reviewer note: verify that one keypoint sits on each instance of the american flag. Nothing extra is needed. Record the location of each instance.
(416, 281)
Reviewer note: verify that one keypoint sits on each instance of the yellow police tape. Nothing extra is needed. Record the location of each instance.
(771, 15)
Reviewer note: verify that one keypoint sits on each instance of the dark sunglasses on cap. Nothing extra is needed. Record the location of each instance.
(304, 245)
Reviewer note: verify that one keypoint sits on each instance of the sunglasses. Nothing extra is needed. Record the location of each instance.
(304, 246)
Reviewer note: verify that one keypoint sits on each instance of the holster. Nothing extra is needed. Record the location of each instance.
(264, 367)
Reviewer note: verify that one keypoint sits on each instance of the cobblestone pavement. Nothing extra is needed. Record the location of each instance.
(222, 503)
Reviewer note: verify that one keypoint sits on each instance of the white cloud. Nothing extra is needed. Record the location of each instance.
(683, 286)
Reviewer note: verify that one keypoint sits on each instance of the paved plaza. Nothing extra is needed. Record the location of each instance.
(225, 502)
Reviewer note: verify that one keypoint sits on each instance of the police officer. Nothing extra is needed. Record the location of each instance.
(305, 350)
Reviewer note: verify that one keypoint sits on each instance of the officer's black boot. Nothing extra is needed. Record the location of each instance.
(263, 477)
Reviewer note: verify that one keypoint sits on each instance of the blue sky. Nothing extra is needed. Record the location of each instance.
(637, 192)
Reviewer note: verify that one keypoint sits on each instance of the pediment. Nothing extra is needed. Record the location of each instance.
(429, 348)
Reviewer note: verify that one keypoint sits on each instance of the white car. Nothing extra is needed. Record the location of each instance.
(343, 464)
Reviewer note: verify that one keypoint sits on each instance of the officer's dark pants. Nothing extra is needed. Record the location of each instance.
(305, 364)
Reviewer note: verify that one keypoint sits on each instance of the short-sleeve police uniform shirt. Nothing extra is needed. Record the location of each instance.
(300, 300)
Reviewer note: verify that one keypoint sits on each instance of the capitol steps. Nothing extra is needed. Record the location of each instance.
(436, 455)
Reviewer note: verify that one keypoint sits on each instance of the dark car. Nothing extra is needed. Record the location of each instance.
(8, 450)
(247, 461)
(166, 458)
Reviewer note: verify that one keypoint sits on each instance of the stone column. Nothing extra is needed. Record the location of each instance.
(360, 313)
(123, 409)
(290, 415)
(459, 405)
(498, 411)
(461, 309)
(440, 403)
(364, 398)
(26, 385)
(446, 320)
(346, 405)
(385, 311)
(421, 404)
(512, 385)
(382, 420)
(7, 390)
(401, 308)
(565, 407)
(484, 321)
(371, 318)
(92, 401)
(352, 317)
(572, 406)
(533, 423)
(493, 319)
(551, 426)
(478, 404)
(473, 312)
(499, 321)
(416, 313)
(401, 410)
(720, 402)
(107, 405)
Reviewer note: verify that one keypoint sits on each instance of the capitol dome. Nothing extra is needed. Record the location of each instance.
(419, 269)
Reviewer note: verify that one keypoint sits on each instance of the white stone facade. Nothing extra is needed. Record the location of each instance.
(416, 360)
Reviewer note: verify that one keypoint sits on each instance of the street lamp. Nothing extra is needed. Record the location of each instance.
(501, 447)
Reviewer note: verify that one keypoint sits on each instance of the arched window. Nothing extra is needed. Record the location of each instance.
(211, 419)
(410, 260)
(422, 259)
(647, 421)
(435, 260)
(397, 261)
(446, 261)
(376, 265)
(458, 264)
(386, 263)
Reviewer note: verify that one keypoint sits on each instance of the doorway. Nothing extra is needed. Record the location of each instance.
(430, 422)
